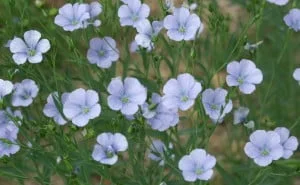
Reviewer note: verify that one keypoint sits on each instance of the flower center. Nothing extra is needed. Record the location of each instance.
(199, 171)
(153, 38)
(31, 52)
(109, 153)
(101, 53)
(240, 80)
(85, 110)
(214, 107)
(125, 100)
(184, 98)
(264, 152)
(26, 95)
(181, 29)
(74, 22)
(135, 18)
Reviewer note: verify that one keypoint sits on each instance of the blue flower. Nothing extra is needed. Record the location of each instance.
(51, 110)
(8, 136)
(107, 147)
(72, 17)
(24, 93)
(296, 75)
(169, 5)
(197, 165)
(243, 74)
(279, 2)
(94, 9)
(182, 25)
(240, 115)
(147, 33)
(126, 96)
(81, 106)
(264, 147)
(158, 116)
(103, 52)
(133, 12)
(157, 151)
(289, 144)
(181, 92)
(7, 116)
(215, 105)
(134, 47)
(6, 88)
(31, 50)
(292, 19)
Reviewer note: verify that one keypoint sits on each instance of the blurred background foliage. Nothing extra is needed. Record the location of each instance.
(229, 25)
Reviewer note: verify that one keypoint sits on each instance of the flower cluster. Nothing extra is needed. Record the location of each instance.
(243, 74)
(78, 16)
(158, 116)
(103, 52)
(9, 122)
(215, 105)
(197, 165)
(126, 96)
(107, 147)
(158, 151)
(31, 48)
(267, 146)
(78, 106)
(129, 97)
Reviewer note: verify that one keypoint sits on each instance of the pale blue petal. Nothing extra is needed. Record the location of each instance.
(258, 138)
(129, 109)
(17, 45)
(43, 46)
(114, 102)
(251, 150)
(31, 38)
(206, 175)
(263, 160)
(120, 143)
(37, 58)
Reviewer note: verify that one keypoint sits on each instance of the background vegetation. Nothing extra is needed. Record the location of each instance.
(229, 25)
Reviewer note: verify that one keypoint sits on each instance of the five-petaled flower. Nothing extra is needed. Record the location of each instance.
(264, 147)
(24, 93)
(126, 96)
(133, 12)
(107, 147)
(197, 165)
(31, 50)
(103, 52)
(292, 19)
(81, 106)
(243, 74)
(181, 92)
(289, 144)
(51, 109)
(215, 104)
(182, 25)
